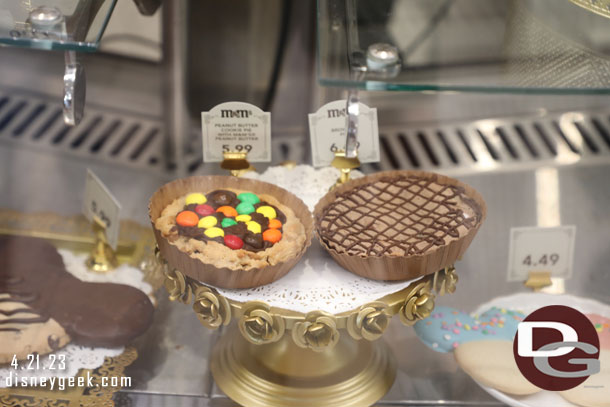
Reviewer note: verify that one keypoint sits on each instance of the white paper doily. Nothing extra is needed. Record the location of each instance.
(307, 183)
(124, 274)
(317, 282)
(80, 357)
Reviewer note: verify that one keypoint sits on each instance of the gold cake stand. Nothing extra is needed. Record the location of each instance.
(278, 357)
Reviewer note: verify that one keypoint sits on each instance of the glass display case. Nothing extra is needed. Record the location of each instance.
(509, 98)
(464, 46)
(84, 23)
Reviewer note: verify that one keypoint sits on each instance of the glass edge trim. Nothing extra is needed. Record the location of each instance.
(102, 29)
(388, 86)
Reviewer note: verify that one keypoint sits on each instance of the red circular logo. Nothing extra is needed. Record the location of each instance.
(556, 348)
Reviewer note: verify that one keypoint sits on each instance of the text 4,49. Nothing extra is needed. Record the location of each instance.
(544, 260)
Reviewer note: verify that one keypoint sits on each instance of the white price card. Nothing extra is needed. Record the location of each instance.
(328, 132)
(541, 249)
(101, 203)
(236, 126)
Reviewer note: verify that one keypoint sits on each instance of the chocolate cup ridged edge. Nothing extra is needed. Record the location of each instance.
(387, 267)
(225, 277)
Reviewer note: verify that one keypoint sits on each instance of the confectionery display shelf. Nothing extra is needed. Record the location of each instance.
(518, 46)
(172, 368)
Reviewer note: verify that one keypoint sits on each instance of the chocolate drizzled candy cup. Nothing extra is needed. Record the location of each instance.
(399, 225)
(206, 272)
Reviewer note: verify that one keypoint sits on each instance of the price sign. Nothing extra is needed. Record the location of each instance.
(101, 203)
(236, 126)
(541, 249)
(327, 130)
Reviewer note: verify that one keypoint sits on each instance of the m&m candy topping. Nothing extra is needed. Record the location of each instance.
(196, 199)
(245, 208)
(248, 197)
(243, 218)
(187, 218)
(204, 210)
(214, 232)
(267, 211)
(274, 224)
(226, 222)
(207, 222)
(228, 211)
(241, 221)
(253, 227)
(272, 235)
(233, 242)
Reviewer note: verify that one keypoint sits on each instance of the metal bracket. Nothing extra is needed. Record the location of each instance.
(49, 22)
(75, 86)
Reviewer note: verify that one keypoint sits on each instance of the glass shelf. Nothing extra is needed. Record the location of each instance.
(504, 46)
(85, 21)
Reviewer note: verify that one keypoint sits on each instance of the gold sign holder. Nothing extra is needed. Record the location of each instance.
(345, 165)
(102, 258)
(537, 280)
(236, 162)
(542, 281)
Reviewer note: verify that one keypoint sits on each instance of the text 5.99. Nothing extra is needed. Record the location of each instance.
(238, 147)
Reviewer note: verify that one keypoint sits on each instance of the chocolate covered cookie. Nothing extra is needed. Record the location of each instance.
(38, 295)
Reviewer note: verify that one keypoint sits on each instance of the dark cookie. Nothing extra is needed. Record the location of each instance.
(93, 314)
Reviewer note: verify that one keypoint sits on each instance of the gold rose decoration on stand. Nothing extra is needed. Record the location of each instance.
(318, 331)
(445, 281)
(212, 309)
(177, 286)
(418, 304)
(259, 326)
(370, 322)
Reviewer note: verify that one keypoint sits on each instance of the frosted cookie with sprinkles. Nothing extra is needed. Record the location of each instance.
(446, 328)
